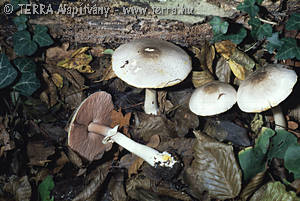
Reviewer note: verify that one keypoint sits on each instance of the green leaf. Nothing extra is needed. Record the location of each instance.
(23, 45)
(45, 188)
(259, 2)
(28, 82)
(20, 22)
(292, 159)
(7, 72)
(25, 65)
(289, 49)
(41, 36)
(293, 22)
(259, 30)
(218, 25)
(252, 160)
(108, 51)
(15, 3)
(263, 140)
(237, 38)
(249, 7)
(273, 42)
(280, 142)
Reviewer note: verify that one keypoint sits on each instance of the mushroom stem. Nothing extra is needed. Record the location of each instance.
(150, 105)
(279, 118)
(148, 154)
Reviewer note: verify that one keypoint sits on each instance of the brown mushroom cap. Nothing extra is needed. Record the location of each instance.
(96, 108)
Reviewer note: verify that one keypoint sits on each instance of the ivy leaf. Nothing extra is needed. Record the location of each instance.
(289, 49)
(7, 72)
(292, 160)
(252, 159)
(259, 30)
(20, 22)
(218, 25)
(28, 82)
(237, 38)
(249, 7)
(45, 188)
(23, 45)
(273, 42)
(41, 36)
(25, 65)
(15, 3)
(293, 22)
(280, 143)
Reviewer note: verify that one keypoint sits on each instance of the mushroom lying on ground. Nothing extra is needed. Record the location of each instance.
(266, 88)
(89, 133)
(150, 64)
(212, 98)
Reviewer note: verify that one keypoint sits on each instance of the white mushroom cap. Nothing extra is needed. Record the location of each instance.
(266, 88)
(212, 98)
(151, 63)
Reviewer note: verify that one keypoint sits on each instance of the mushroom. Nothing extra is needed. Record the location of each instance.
(90, 135)
(266, 88)
(212, 98)
(150, 64)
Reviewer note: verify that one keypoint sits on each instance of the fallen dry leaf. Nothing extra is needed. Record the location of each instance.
(292, 125)
(164, 105)
(60, 163)
(122, 120)
(78, 61)
(97, 51)
(223, 71)
(5, 143)
(200, 78)
(238, 61)
(108, 74)
(38, 153)
(20, 188)
(55, 54)
(58, 80)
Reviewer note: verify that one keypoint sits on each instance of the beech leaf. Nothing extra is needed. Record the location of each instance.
(216, 167)
(274, 191)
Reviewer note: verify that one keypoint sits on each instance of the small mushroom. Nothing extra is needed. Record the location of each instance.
(150, 64)
(266, 88)
(212, 98)
(90, 135)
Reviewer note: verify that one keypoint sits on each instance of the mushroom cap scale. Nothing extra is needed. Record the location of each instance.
(151, 63)
(212, 98)
(265, 88)
(96, 108)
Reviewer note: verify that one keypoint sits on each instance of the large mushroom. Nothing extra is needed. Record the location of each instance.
(150, 64)
(266, 88)
(212, 98)
(90, 135)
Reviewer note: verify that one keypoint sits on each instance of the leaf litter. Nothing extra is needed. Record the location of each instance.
(239, 159)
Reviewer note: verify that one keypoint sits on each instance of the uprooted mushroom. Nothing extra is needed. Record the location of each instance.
(90, 135)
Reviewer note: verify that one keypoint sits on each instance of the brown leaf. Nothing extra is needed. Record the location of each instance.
(60, 163)
(200, 78)
(216, 167)
(97, 51)
(123, 121)
(55, 54)
(6, 143)
(49, 96)
(223, 71)
(208, 52)
(19, 187)
(164, 104)
(143, 188)
(108, 74)
(38, 153)
(253, 185)
(295, 112)
(292, 125)
(96, 178)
